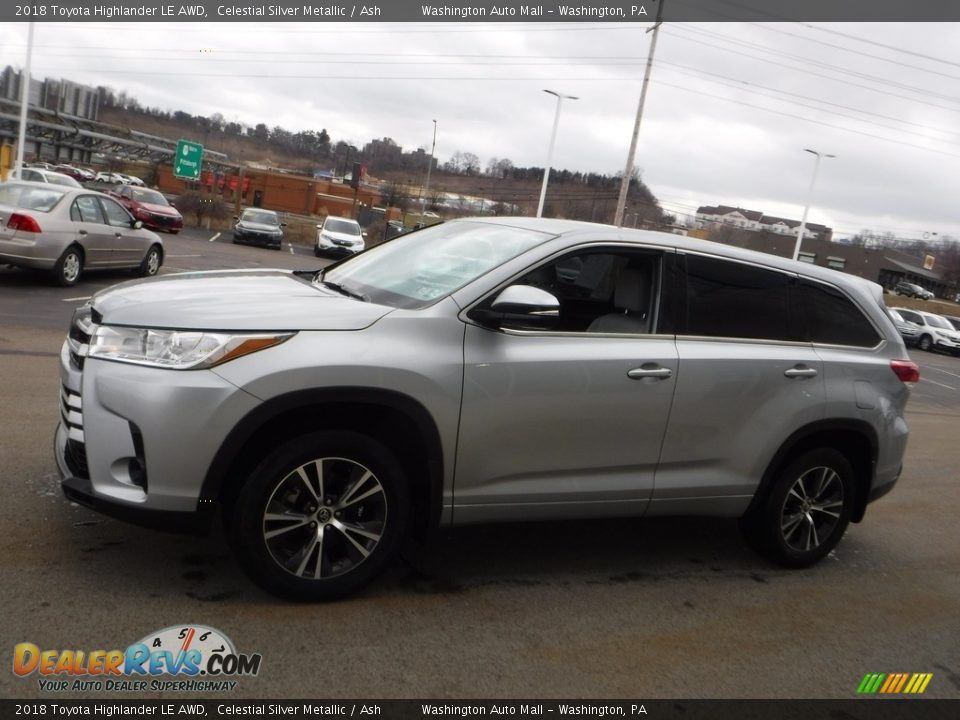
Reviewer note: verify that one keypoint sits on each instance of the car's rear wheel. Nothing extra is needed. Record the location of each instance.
(925, 343)
(151, 262)
(320, 516)
(807, 510)
(69, 267)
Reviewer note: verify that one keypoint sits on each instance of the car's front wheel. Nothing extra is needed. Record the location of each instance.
(807, 510)
(925, 343)
(321, 515)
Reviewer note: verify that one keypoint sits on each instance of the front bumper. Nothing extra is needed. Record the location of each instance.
(250, 238)
(135, 442)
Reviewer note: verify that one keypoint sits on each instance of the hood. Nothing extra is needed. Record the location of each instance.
(233, 300)
(160, 209)
(258, 227)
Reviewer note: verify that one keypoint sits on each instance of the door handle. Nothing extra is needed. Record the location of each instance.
(118, 234)
(800, 372)
(81, 232)
(647, 371)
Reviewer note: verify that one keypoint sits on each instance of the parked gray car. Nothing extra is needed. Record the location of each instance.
(68, 231)
(485, 370)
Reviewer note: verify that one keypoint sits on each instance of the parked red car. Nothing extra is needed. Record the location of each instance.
(150, 207)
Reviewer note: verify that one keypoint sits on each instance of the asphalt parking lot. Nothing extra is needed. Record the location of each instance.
(601, 609)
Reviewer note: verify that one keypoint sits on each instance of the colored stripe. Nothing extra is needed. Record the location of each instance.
(876, 683)
(890, 680)
(926, 681)
(863, 683)
(910, 685)
(903, 681)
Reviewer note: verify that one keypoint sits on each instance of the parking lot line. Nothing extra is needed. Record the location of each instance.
(74, 299)
(948, 387)
(185, 255)
(214, 237)
(932, 367)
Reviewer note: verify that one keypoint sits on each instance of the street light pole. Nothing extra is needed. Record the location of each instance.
(553, 138)
(426, 191)
(806, 209)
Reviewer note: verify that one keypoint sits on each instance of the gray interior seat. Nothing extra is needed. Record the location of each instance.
(631, 297)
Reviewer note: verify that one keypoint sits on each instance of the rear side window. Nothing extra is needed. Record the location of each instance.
(734, 300)
(86, 209)
(832, 318)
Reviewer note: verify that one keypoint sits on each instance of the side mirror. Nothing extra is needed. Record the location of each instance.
(319, 227)
(283, 224)
(522, 307)
(364, 233)
(236, 217)
(136, 224)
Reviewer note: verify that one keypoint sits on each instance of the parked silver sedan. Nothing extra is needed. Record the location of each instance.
(70, 230)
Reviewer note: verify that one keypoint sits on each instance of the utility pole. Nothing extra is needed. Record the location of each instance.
(426, 190)
(628, 171)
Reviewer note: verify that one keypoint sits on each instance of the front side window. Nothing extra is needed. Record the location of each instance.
(601, 291)
(728, 299)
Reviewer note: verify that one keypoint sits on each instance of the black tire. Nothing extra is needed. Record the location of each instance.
(151, 262)
(341, 532)
(69, 267)
(925, 343)
(316, 252)
(806, 512)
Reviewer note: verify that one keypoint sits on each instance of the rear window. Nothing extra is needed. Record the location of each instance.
(833, 319)
(29, 197)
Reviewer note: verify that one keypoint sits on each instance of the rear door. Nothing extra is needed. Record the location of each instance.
(747, 379)
(92, 232)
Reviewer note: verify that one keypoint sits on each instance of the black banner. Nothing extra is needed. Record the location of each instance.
(873, 709)
(481, 11)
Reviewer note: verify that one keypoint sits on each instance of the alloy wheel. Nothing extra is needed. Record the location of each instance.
(811, 510)
(324, 518)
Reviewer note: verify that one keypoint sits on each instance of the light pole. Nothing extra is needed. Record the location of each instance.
(426, 191)
(806, 209)
(553, 138)
(24, 101)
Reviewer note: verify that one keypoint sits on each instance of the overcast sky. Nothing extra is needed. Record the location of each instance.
(730, 109)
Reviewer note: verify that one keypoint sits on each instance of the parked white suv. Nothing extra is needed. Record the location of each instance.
(339, 236)
(485, 370)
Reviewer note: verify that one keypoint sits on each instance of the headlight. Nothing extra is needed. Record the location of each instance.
(177, 349)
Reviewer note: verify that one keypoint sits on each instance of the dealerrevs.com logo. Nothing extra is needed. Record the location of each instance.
(183, 658)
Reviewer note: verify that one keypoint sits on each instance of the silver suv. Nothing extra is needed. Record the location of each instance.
(485, 370)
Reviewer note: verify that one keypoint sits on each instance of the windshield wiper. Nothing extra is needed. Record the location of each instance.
(344, 291)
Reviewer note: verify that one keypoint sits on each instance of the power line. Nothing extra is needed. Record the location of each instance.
(932, 58)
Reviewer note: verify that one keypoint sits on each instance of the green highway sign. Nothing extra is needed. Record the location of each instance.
(186, 162)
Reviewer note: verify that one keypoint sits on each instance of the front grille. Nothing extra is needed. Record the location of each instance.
(164, 220)
(71, 413)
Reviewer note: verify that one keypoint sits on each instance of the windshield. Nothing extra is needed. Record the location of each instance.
(260, 216)
(341, 226)
(149, 196)
(415, 270)
(938, 322)
(30, 197)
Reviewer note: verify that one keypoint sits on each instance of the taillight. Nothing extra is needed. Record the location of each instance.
(907, 371)
(24, 223)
